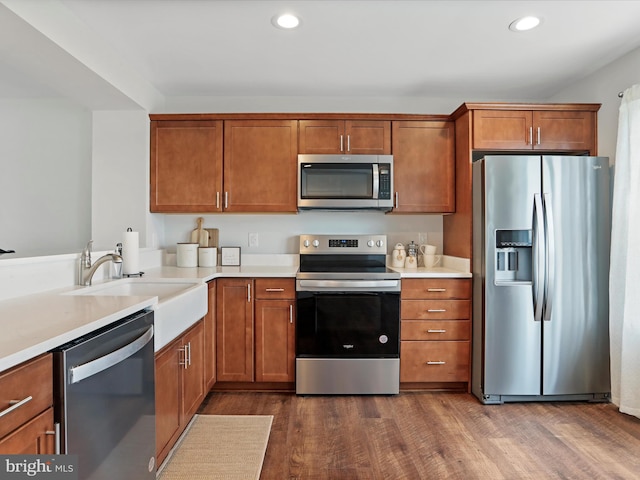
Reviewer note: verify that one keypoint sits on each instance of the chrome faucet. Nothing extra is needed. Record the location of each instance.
(87, 270)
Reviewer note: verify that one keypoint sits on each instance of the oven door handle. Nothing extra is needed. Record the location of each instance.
(349, 283)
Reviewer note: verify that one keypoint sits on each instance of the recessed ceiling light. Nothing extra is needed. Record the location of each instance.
(285, 21)
(523, 24)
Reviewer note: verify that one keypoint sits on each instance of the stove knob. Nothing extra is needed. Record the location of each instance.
(380, 243)
(306, 243)
(316, 243)
(370, 243)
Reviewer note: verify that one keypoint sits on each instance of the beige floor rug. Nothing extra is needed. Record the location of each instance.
(229, 447)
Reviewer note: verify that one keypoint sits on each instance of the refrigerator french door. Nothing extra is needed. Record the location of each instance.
(541, 239)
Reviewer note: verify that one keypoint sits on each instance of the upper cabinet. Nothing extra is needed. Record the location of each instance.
(186, 166)
(260, 158)
(190, 174)
(349, 137)
(423, 166)
(548, 130)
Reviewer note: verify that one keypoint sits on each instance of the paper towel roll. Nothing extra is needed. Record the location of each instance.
(130, 253)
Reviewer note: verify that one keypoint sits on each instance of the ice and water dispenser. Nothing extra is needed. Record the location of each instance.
(513, 262)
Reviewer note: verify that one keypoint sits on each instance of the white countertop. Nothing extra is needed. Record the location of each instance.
(34, 324)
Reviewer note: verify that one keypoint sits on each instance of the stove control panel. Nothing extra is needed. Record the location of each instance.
(343, 244)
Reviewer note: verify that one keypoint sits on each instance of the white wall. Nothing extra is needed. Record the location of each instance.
(603, 87)
(45, 176)
(120, 183)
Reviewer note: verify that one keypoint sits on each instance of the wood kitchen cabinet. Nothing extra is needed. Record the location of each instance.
(26, 424)
(180, 387)
(255, 330)
(372, 137)
(186, 166)
(234, 327)
(485, 128)
(260, 159)
(192, 172)
(435, 333)
(275, 330)
(548, 130)
(424, 173)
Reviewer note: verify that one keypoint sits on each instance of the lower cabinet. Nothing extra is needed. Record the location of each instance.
(36, 437)
(435, 333)
(180, 386)
(26, 408)
(275, 340)
(255, 330)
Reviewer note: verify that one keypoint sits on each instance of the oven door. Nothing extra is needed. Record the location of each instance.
(351, 324)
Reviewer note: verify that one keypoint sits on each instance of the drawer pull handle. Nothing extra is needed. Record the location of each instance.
(436, 289)
(436, 331)
(274, 289)
(15, 404)
(436, 310)
(439, 362)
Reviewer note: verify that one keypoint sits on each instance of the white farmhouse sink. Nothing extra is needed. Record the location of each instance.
(180, 303)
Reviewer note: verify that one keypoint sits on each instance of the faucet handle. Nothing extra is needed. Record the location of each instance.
(86, 254)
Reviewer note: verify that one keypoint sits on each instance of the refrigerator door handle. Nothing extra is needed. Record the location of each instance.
(549, 283)
(538, 257)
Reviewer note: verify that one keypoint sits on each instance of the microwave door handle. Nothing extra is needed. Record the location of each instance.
(376, 180)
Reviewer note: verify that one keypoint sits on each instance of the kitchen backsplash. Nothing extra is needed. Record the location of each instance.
(278, 234)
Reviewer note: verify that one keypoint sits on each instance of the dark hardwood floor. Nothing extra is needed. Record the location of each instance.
(437, 436)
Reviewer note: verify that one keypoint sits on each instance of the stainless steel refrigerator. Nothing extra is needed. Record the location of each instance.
(541, 239)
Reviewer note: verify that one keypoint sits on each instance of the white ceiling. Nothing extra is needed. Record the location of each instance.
(352, 48)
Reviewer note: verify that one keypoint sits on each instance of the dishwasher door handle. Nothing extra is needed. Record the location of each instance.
(93, 367)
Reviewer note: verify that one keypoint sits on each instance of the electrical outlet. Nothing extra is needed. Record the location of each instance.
(422, 238)
(253, 239)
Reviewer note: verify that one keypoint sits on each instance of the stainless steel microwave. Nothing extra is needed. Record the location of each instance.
(345, 182)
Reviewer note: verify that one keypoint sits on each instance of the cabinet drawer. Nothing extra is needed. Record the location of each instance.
(32, 379)
(435, 330)
(434, 361)
(436, 288)
(275, 288)
(436, 309)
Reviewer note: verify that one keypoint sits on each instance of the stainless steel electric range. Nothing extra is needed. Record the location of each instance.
(348, 317)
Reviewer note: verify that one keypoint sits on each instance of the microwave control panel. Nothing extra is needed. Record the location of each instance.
(385, 181)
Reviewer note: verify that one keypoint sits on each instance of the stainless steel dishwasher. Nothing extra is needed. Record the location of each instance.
(105, 401)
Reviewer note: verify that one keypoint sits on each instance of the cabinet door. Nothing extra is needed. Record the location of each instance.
(260, 159)
(275, 341)
(321, 136)
(367, 137)
(210, 339)
(35, 437)
(564, 130)
(234, 330)
(193, 391)
(424, 175)
(186, 166)
(168, 372)
(502, 130)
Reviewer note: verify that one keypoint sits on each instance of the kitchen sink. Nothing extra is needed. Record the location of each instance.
(180, 303)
